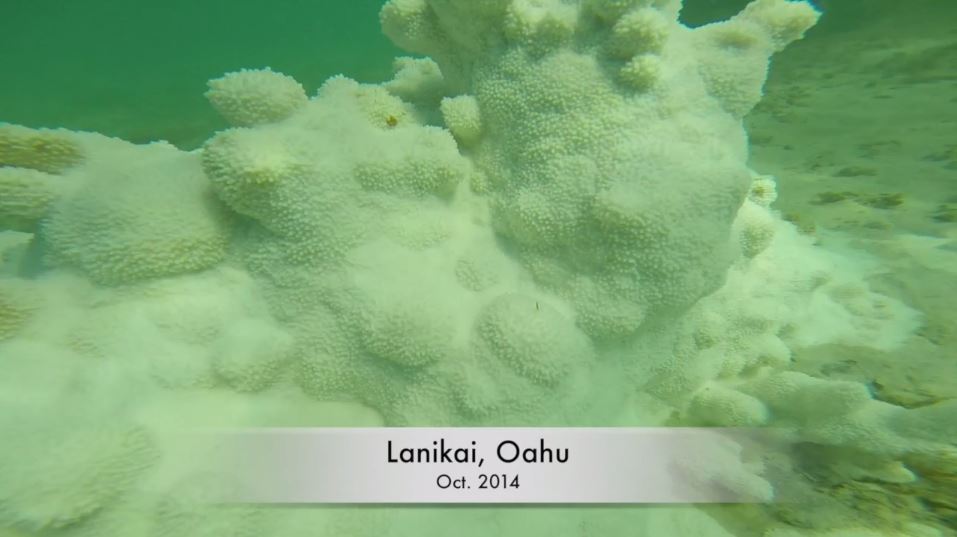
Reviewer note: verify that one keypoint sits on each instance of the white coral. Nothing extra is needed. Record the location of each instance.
(256, 96)
(142, 212)
(463, 118)
(584, 243)
(44, 150)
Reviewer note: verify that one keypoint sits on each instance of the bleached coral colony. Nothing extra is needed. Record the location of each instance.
(548, 219)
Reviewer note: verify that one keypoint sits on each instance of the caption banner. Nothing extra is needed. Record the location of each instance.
(490, 465)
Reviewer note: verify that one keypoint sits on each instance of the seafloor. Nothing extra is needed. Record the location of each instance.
(858, 124)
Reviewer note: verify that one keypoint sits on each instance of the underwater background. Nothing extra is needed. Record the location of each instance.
(857, 125)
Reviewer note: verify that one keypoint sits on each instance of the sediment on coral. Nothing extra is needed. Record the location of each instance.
(550, 221)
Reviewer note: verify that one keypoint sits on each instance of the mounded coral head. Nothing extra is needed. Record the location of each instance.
(302, 181)
(250, 353)
(251, 171)
(143, 212)
(411, 25)
(26, 196)
(80, 472)
(417, 80)
(463, 118)
(381, 108)
(531, 338)
(581, 118)
(639, 31)
(256, 96)
(540, 23)
(641, 72)
(430, 167)
(733, 54)
(409, 331)
(755, 228)
(782, 21)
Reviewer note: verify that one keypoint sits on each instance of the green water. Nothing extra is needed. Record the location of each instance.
(139, 69)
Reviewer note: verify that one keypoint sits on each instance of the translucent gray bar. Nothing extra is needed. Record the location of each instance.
(497, 465)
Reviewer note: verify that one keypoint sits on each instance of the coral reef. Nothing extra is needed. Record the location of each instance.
(551, 221)
(49, 151)
(254, 97)
(153, 216)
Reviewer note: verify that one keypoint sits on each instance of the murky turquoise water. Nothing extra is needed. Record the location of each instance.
(138, 69)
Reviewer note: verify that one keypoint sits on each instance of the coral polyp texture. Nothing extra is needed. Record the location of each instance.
(252, 97)
(548, 220)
